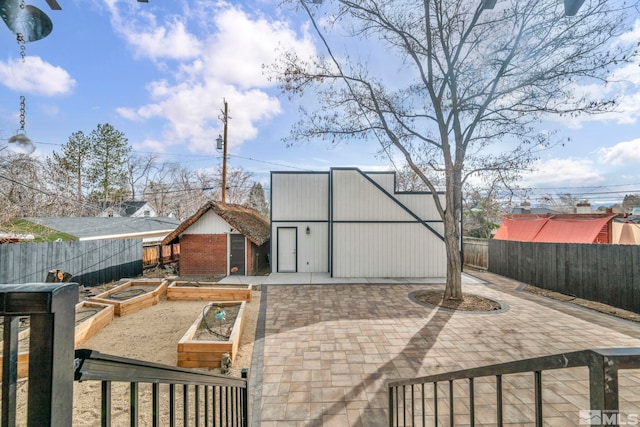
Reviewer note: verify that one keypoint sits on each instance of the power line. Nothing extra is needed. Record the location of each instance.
(204, 157)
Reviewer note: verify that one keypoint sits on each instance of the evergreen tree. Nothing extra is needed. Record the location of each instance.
(257, 199)
(108, 169)
(72, 164)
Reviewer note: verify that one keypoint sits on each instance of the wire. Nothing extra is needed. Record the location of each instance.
(91, 312)
(126, 294)
(206, 325)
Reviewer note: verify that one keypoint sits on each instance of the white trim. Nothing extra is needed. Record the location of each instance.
(127, 235)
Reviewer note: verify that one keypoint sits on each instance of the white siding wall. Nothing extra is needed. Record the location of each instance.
(422, 205)
(209, 223)
(312, 250)
(355, 198)
(299, 197)
(374, 235)
(385, 180)
(387, 250)
(397, 245)
(141, 211)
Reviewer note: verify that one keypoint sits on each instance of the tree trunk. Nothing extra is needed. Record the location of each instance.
(453, 289)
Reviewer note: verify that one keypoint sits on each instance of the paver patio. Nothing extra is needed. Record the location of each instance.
(324, 353)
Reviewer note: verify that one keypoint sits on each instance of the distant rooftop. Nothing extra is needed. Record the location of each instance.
(86, 228)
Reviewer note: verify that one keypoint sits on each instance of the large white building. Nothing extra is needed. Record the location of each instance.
(351, 223)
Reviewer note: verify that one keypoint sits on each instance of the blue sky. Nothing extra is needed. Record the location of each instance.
(159, 72)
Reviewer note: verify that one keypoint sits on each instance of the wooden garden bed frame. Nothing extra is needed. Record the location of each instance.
(194, 353)
(136, 303)
(87, 328)
(207, 291)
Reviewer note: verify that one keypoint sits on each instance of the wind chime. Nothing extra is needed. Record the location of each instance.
(29, 24)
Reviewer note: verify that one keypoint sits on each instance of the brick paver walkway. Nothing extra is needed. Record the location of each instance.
(328, 351)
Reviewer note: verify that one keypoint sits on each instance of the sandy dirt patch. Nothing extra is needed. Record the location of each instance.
(152, 335)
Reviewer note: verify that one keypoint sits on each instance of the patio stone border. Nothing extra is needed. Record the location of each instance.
(503, 305)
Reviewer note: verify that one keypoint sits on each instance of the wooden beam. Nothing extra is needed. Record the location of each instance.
(571, 7)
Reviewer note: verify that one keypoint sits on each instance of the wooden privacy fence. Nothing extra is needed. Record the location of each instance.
(605, 273)
(476, 252)
(90, 262)
(158, 254)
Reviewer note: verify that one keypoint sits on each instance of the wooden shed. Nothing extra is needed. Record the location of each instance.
(222, 239)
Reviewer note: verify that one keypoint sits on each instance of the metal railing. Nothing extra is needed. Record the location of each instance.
(408, 403)
(51, 312)
(224, 403)
(53, 366)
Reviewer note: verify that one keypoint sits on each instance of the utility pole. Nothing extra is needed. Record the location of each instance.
(224, 153)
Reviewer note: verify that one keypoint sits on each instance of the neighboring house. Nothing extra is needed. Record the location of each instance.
(626, 231)
(561, 228)
(351, 223)
(526, 208)
(96, 228)
(130, 208)
(222, 239)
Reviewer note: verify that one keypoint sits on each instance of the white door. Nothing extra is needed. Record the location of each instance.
(287, 248)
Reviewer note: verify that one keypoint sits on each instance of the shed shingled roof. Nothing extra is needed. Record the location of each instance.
(246, 220)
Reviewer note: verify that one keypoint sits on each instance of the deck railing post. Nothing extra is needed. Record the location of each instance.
(391, 407)
(603, 387)
(11, 326)
(51, 310)
(51, 356)
(245, 398)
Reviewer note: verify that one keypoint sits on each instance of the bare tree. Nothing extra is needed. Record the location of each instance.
(138, 171)
(239, 183)
(23, 188)
(67, 171)
(629, 202)
(456, 80)
(564, 203)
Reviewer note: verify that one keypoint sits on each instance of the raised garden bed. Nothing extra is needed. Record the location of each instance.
(207, 291)
(133, 296)
(207, 339)
(90, 318)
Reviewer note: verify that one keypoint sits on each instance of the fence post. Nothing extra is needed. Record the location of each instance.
(51, 308)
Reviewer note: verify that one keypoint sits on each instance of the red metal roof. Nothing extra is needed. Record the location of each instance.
(522, 230)
(553, 230)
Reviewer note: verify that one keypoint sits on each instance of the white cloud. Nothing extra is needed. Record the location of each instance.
(150, 39)
(36, 77)
(622, 153)
(170, 41)
(228, 63)
(243, 44)
(562, 172)
(623, 87)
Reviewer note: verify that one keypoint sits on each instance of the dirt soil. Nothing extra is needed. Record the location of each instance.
(152, 335)
(470, 302)
(602, 308)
